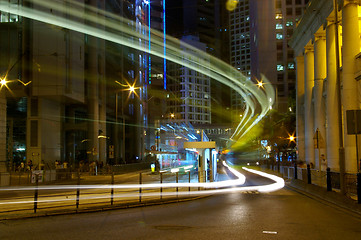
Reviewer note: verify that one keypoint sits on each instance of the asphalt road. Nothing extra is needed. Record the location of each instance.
(283, 214)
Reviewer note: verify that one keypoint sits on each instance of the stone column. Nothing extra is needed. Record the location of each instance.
(332, 116)
(308, 106)
(350, 47)
(319, 105)
(300, 111)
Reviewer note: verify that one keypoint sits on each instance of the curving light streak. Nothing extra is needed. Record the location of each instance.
(110, 27)
(279, 183)
(228, 183)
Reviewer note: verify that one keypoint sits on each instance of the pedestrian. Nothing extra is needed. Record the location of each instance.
(30, 165)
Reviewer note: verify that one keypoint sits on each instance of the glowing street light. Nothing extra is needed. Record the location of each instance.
(3, 81)
(259, 84)
(131, 89)
(291, 138)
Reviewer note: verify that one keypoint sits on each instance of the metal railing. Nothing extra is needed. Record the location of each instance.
(325, 179)
(80, 190)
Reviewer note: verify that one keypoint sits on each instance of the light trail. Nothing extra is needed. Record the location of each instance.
(279, 183)
(110, 27)
(228, 183)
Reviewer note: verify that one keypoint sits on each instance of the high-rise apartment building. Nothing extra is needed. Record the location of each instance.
(259, 32)
(287, 14)
(205, 20)
(189, 100)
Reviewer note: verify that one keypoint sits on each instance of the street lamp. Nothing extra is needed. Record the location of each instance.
(131, 89)
(259, 84)
(3, 82)
(291, 138)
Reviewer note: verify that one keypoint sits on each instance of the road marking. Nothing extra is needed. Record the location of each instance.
(269, 232)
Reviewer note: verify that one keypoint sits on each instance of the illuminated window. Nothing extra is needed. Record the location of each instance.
(279, 36)
(289, 23)
(279, 26)
(280, 67)
(291, 66)
(279, 16)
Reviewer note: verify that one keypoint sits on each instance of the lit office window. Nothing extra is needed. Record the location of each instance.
(279, 36)
(280, 67)
(279, 26)
(289, 23)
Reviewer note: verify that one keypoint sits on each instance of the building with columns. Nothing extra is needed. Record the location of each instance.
(327, 48)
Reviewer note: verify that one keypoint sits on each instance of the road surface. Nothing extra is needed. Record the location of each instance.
(283, 214)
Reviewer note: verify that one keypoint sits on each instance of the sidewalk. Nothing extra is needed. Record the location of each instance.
(321, 193)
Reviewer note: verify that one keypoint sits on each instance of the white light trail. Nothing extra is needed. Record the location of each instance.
(233, 186)
(110, 27)
(228, 183)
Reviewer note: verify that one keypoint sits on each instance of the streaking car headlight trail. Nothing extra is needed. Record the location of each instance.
(113, 28)
(212, 188)
(240, 180)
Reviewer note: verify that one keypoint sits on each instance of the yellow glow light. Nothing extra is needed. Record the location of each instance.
(3, 81)
(231, 5)
(291, 138)
(131, 88)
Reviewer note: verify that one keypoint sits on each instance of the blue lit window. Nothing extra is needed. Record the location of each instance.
(291, 66)
(280, 67)
(279, 26)
(279, 36)
(289, 23)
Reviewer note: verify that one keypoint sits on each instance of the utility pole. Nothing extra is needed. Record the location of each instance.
(339, 105)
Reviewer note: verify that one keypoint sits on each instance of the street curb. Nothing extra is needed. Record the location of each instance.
(101, 208)
(321, 193)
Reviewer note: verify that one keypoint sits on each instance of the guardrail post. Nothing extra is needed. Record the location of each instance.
(308, 174)
(36, 193)
(189, 181)
(112, 191)
(140, 188)
(199, 179)
(328, 179)
(296, 171)
(161, 188)
(78, 191)
(358, 187)
(176, 180)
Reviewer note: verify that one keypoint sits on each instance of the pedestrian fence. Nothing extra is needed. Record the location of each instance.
(76, 190)
(325, 179)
